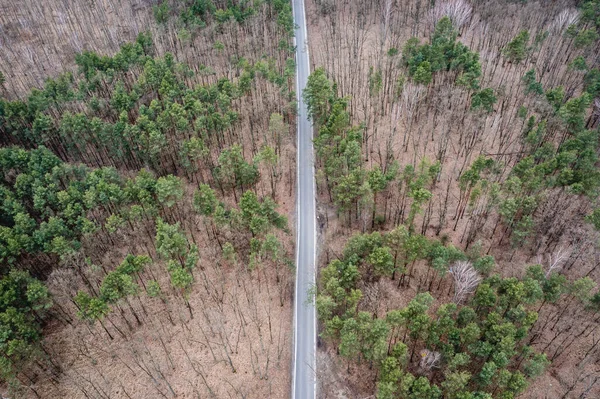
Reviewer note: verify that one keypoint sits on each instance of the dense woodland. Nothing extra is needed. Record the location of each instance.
(144, 239)
(457, 154)
(147, 175)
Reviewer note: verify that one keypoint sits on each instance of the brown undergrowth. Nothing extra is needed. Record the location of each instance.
(434, 122)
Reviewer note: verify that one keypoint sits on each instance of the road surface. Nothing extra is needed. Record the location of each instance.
(304, 382)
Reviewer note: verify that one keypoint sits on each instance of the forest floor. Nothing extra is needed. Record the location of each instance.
(338, 380)
(387, 131)
(40, 40)
(239, 341)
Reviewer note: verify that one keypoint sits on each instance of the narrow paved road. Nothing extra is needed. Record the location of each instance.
(304, 382)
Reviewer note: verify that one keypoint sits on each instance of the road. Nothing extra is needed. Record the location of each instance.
(304, 382)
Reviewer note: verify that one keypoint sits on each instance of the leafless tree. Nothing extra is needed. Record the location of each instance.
(75, 42)
(591, 381)
(372, 296)
(459, 12)
(563, 20)
(386, 12)
(466, 280)
(411, 95)
(430, 359)
(555, 261)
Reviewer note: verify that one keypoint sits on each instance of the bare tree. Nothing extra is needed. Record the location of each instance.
(466, 280)
(589, 385)
(430, 359)
(555, 261)
(412, 94)
(563, 20)
(459, 12)
(386, 12)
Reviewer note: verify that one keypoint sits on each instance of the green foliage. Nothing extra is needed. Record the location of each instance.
(139, 110)
(536, 365)
(153, 289)
(594, 218)
(233, 171)
(90, 64)
(382, 261)
(455, 384)
(48, 208)
(338, 146)
(573, 112)
(423, 73)
(484, 99)
(285, 18)
(480, 167)
(317, 94)
(582, 289)
(170, 241)
(181, 279)
(133, 264)
(399, 85)
(592, 82)
(578, 64)
(113, 223)
(555, 97)
(444, 53)
(195, 13)
(484, 265)
(24, 302)
(90, 308)
(590, 12)
(132, 111)
(572, 165)
(116, 286)
(516, 50)
(586, 37)
(482, 343)
(205, 200)
(259, 216)
(375, 81)
(531, 84)
(169, 190)
(191, 152)
(350, 189)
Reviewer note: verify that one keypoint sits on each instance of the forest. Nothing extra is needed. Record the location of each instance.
(147, 177)
(148, 181)
(457, 172)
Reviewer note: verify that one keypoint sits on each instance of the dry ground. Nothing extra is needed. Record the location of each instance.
(39, 40)
(437, 125)
(238, 343)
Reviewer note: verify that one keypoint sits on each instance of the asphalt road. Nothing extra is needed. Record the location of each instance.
(304, 382)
